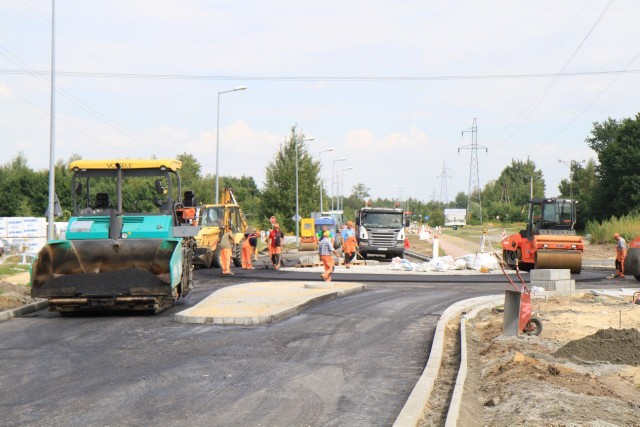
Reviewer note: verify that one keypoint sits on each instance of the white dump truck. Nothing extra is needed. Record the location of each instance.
(380, 231)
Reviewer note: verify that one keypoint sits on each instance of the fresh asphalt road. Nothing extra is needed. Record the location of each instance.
(347, 361)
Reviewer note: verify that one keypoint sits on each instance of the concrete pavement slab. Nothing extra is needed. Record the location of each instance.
(259, 303)
(624, 293)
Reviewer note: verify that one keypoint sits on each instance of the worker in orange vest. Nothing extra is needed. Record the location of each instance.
(250, 241)
(350, 243)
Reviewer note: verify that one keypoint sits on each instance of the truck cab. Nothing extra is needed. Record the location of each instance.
(381, 231)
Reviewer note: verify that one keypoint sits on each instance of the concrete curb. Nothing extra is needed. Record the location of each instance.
(414, 408)
(456, 398)
(25, 309)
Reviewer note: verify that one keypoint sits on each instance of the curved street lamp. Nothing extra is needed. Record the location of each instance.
(333, 177)
(341, 197)
(218, 135)
(321, 179)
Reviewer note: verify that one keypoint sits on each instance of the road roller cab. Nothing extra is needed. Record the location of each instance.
(549, 240)
(308, 238)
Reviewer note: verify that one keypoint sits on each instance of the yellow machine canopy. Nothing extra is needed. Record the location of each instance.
(170, 164)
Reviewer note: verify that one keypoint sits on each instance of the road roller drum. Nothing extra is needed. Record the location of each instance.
(549, 259)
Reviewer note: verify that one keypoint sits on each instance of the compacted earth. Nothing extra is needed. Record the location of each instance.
(583, 369)
(15, 291)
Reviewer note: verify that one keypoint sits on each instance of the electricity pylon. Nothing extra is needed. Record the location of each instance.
(474, 174)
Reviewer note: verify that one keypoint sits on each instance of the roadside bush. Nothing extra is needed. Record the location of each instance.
(602, 232)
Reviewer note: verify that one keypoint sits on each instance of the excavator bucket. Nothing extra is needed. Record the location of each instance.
(134, 274)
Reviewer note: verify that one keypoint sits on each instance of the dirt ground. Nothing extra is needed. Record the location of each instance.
(583, 370)
(15, 291)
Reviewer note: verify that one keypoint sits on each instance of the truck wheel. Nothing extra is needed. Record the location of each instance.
(524, 266)
(509, 257)
(216, 258)
(208, 260)
(187, 273)
(236, 257)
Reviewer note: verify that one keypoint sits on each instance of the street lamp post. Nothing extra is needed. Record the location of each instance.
(341, 199)
(297, 217)
(218, 135)
(333, 176)
(321, 179)
(571, 164)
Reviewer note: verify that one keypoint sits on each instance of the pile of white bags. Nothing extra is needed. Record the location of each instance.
(477, 261)
(400, 264)
(444, 263)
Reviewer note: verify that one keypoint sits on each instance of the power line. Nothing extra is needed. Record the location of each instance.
(151, 76)
(97, 59)
(525, 93)
(59, 120)
(535, 103)
(83, 106)
(593, 101)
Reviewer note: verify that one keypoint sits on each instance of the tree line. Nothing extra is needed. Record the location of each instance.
(607, 188)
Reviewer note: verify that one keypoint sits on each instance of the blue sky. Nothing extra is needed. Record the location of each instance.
(390, 86)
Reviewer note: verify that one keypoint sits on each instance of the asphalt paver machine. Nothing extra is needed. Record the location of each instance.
(129, 244)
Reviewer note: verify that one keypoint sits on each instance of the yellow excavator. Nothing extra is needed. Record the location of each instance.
(211, 219)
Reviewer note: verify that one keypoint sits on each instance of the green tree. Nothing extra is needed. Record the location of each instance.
(19, 182)
(618, 146)
(508, 196)
(24, 208)
(460, 202)
(192, 180)
(584, 184)
(63, 184)
(360, 192)
(603, 134)
(279, 194)
(248, 196)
